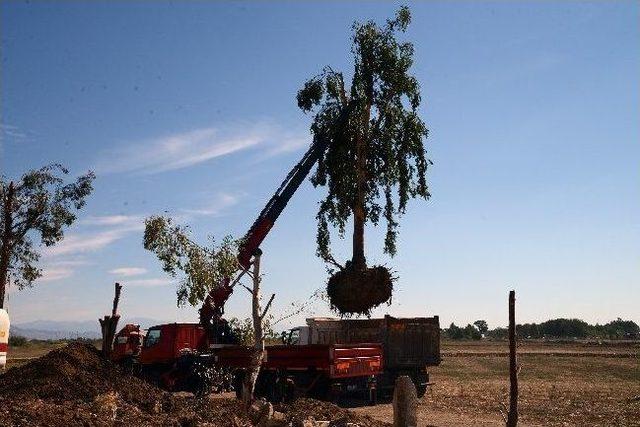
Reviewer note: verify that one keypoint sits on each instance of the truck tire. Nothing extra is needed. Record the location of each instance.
(128, 365)
(238, 376)
(201, 379)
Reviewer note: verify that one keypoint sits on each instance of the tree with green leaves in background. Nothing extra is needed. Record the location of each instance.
(202, 267)
(37, 208)
(376, 162)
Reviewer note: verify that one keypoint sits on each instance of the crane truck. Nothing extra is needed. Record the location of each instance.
(193, 356)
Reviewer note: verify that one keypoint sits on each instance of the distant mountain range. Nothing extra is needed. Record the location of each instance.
(55, 329)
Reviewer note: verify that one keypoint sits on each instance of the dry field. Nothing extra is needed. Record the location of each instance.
(560, 385)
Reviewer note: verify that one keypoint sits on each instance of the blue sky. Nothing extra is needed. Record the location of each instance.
(189, 108)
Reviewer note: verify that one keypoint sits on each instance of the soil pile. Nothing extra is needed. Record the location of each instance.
(353, 292)
(303, 409)
(74, 386)
(75, 372)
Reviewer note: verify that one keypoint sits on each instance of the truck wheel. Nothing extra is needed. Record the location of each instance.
(201, 379)
(237, 383)
(127, 365)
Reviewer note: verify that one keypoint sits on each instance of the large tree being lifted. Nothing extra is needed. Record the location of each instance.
(376, 163)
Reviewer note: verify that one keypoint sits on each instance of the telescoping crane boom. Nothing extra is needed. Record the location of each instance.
(213, 305)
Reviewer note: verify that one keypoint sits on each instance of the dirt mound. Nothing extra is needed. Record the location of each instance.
(301, 409)
(354, 291)
(76, 372)
(74, 386)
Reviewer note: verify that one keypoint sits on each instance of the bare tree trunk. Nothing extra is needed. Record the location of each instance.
(249, 380)
(359, 261)
(512, 419)
(109, 324)
(5, 251)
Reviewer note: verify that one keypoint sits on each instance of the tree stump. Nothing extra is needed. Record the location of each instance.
(405, 403)
(109, 324)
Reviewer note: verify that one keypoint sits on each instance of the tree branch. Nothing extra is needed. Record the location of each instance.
(264, 312)
(331, 260)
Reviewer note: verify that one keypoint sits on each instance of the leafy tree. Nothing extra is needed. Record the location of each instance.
(572, 328)
(376, 162)
(454, 332)
(35, 209)
(471, 332)
(498, 333)
(482, 326)
(243, 330)
(203, 267)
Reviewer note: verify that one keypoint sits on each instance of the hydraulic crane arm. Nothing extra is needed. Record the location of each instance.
(213, 306)
(262, 225)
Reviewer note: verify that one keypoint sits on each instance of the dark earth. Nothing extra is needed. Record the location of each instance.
(74, 386)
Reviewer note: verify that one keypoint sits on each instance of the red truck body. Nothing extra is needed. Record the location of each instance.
(336, 360)
(165, 343)
(173, 355)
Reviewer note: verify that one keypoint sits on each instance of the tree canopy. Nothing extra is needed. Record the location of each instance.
(376, 162)
(36, 209)
(203, 267)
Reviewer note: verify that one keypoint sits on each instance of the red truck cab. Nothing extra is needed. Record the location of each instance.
(165, 343)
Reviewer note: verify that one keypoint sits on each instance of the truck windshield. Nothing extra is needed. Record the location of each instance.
(152, 338)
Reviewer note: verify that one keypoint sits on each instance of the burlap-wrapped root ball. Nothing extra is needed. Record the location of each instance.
(353, 292)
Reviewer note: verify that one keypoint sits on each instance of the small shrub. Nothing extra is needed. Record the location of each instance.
(17, 341)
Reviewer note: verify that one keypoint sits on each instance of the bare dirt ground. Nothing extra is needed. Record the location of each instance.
(575, 384)
(561, 384)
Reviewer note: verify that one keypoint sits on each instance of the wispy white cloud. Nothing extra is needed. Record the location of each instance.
(147, 283)
(221, 202)
(91, 242)
(112, 220)
(177, 151)
(11, 132)
(128, 271)
(50, 274)
(190, 148)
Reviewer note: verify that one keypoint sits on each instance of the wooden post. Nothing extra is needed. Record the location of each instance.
(512, 418)
(405, 403)
(109, 324)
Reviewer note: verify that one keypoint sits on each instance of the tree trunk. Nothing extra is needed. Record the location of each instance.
(109, 324)
(359, 261)
(512, 419)
(5, 251)
(249, 380)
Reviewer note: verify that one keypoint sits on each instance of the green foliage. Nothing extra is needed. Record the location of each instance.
(203, 267)
(36, 210)
(469, 332)
(17, 341)
(243, 329)
(572, 328)
(383, 129)
(482, 326)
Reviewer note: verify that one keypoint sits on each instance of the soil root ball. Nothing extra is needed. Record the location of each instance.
(353, 292)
